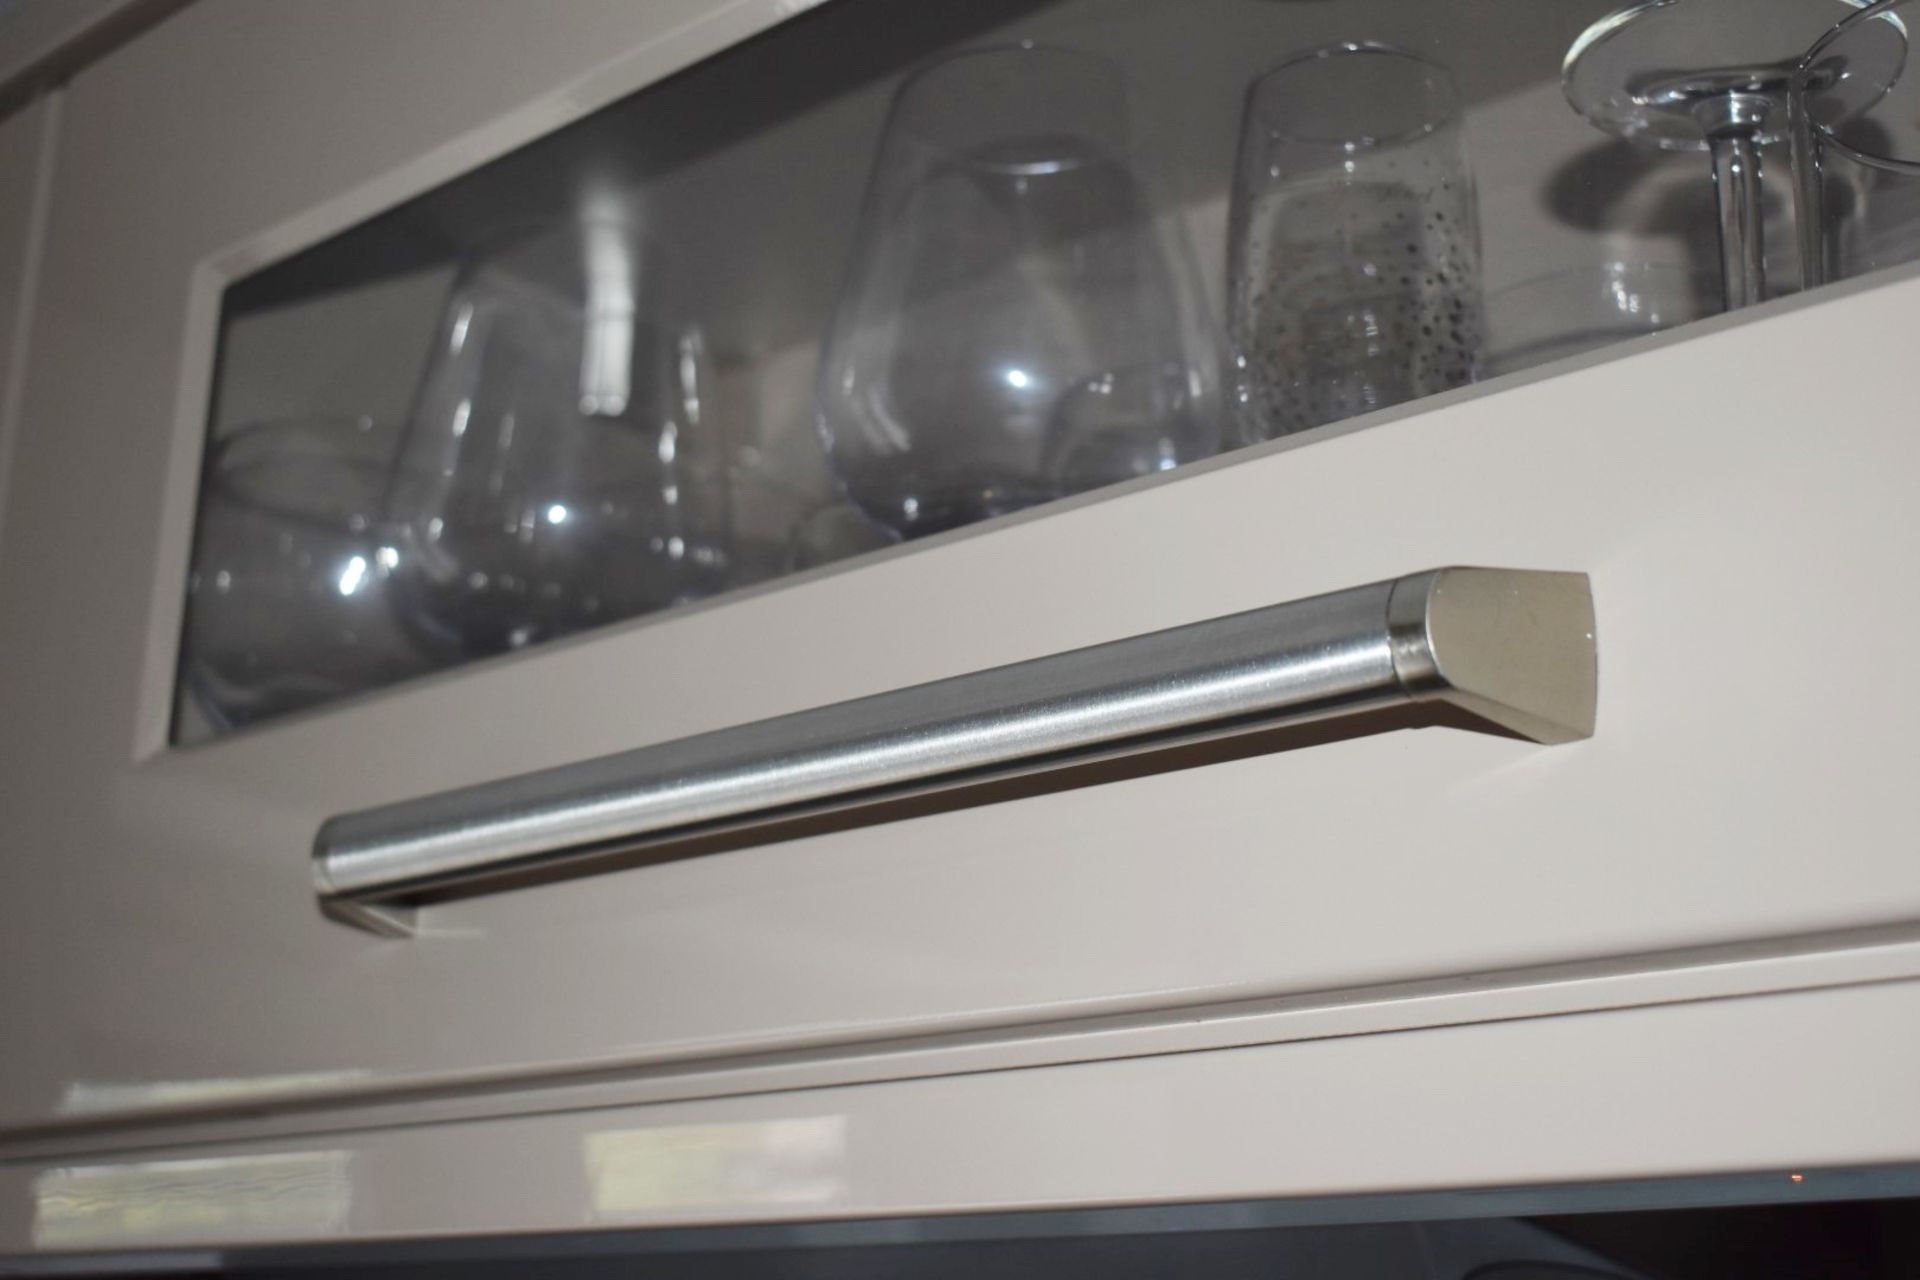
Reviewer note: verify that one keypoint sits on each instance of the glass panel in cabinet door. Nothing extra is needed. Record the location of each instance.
(862, 281)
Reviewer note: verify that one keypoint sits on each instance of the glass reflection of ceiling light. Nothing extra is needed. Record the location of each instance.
(461, 324)
(606, 359)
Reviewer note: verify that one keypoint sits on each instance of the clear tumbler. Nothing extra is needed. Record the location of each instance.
(1355, 261)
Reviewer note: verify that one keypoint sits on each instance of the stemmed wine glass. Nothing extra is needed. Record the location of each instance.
(1857, 63)
(1707, 75)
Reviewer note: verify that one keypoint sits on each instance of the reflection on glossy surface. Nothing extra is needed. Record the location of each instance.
(795, 1161)
(94, 1097)
(280, 1196)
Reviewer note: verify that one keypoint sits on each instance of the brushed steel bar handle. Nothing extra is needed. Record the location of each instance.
(1514, 648)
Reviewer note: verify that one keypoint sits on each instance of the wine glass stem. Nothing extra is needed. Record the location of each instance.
(1809, 211)
(1736, 184)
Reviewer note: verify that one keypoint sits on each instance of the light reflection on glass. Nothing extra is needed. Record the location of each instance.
(606, 356)
(353, 575)
(634, 1172)
(693, 356)
(461, 324)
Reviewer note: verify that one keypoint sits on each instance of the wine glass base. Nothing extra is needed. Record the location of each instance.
(1661, 72)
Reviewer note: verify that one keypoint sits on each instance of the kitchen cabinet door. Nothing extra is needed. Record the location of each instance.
(1736, 492)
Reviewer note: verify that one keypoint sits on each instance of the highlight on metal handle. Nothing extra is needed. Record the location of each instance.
(1512, 648)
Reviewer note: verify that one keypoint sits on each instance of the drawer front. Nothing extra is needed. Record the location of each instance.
(1509, 1114)
(1737, 493)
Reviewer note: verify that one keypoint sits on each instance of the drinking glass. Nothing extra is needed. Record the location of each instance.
(290, 599)
(1870, 211)
(559, 471)
(1355, 260)
(784, 525)
(786, 522)
(1565, 313)
(1017, 323)
(1713, 76)
(832, 532)
(1859, 198)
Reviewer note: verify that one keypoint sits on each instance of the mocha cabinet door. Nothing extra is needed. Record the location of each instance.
(1738, 493)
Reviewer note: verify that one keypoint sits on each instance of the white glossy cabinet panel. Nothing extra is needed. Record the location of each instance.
(1740, 495)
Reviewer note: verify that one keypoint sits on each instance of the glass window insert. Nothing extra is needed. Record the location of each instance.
(860, 281)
